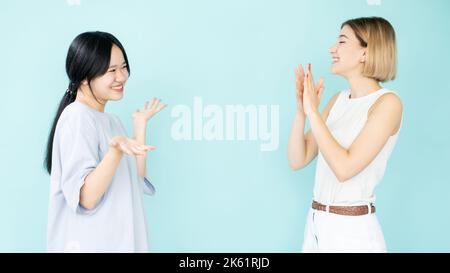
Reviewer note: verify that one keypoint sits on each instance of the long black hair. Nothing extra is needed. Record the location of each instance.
(88, 58)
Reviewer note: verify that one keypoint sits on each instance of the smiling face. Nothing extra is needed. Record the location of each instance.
(348, 55)
(110, 86)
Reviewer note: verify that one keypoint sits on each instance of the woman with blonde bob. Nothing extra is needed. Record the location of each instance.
(353, 138)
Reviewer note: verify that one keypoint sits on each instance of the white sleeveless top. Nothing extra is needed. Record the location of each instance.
(346, 119)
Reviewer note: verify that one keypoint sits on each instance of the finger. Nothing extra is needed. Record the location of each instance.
(151, 148)
(150, 103)
(310, 81)
(141, 147)
(305, 96)
(310, 76)
(157, 103)
(299, 77)
(154, 103)
(305, 81)
(297, 73)
(160, 107)
(311, 86)
(147, 147)
(147, 103)
(127, 152)
(321, 91)
(319, 84)
(137, 151)
(300, 73)
(125, 149)
(298, 83)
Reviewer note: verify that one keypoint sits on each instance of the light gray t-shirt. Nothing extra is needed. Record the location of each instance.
(117, 223)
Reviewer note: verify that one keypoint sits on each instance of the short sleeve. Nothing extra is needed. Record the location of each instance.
(79, 154)
(148, 187)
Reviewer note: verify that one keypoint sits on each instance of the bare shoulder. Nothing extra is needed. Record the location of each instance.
(387, 109)
(389, 102)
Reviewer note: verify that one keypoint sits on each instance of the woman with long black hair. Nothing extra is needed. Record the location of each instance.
(98, 174)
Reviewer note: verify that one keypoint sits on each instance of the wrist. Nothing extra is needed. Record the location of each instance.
(314, 113)
(300, 115)
(300, 119)
(139, 122)
(139, 125)
(115, 151)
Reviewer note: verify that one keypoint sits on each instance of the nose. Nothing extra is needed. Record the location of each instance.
(121, 75)
(332, 49)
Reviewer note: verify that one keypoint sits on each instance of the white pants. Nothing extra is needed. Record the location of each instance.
(329, 232)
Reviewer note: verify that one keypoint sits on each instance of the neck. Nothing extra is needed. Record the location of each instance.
(362, 86)
(90, 101)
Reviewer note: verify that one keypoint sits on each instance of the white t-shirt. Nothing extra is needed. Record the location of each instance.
(117, 223)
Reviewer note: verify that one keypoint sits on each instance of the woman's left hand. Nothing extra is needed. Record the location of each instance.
(148, 111)
(312, 93)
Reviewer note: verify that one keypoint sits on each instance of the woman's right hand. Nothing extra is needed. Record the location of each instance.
(299, 79)
(300, 86)
(129, 146)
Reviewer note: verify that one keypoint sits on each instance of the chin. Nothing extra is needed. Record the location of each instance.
(336, 70)
(116, 98)
(333, 70)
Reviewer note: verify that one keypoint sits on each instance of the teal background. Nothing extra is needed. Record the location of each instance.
(225, 196)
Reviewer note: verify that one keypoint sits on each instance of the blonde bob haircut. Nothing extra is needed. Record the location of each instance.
(378, 36)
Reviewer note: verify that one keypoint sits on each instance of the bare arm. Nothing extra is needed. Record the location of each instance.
(140, 135)
(302, 149)
(140, 119)
(98, 181)
(383, 121)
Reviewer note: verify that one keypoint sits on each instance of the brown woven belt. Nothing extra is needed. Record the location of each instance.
(345, 210)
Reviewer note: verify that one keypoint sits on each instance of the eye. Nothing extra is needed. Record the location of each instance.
(112, 70)
(341, 42)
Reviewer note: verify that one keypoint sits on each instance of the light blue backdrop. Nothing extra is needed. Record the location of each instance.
(225, 196)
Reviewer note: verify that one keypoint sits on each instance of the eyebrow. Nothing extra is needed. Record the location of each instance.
(343, 36)
(112, 66)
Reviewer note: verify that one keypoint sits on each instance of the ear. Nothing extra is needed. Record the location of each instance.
(363, 57)
(84, 82)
